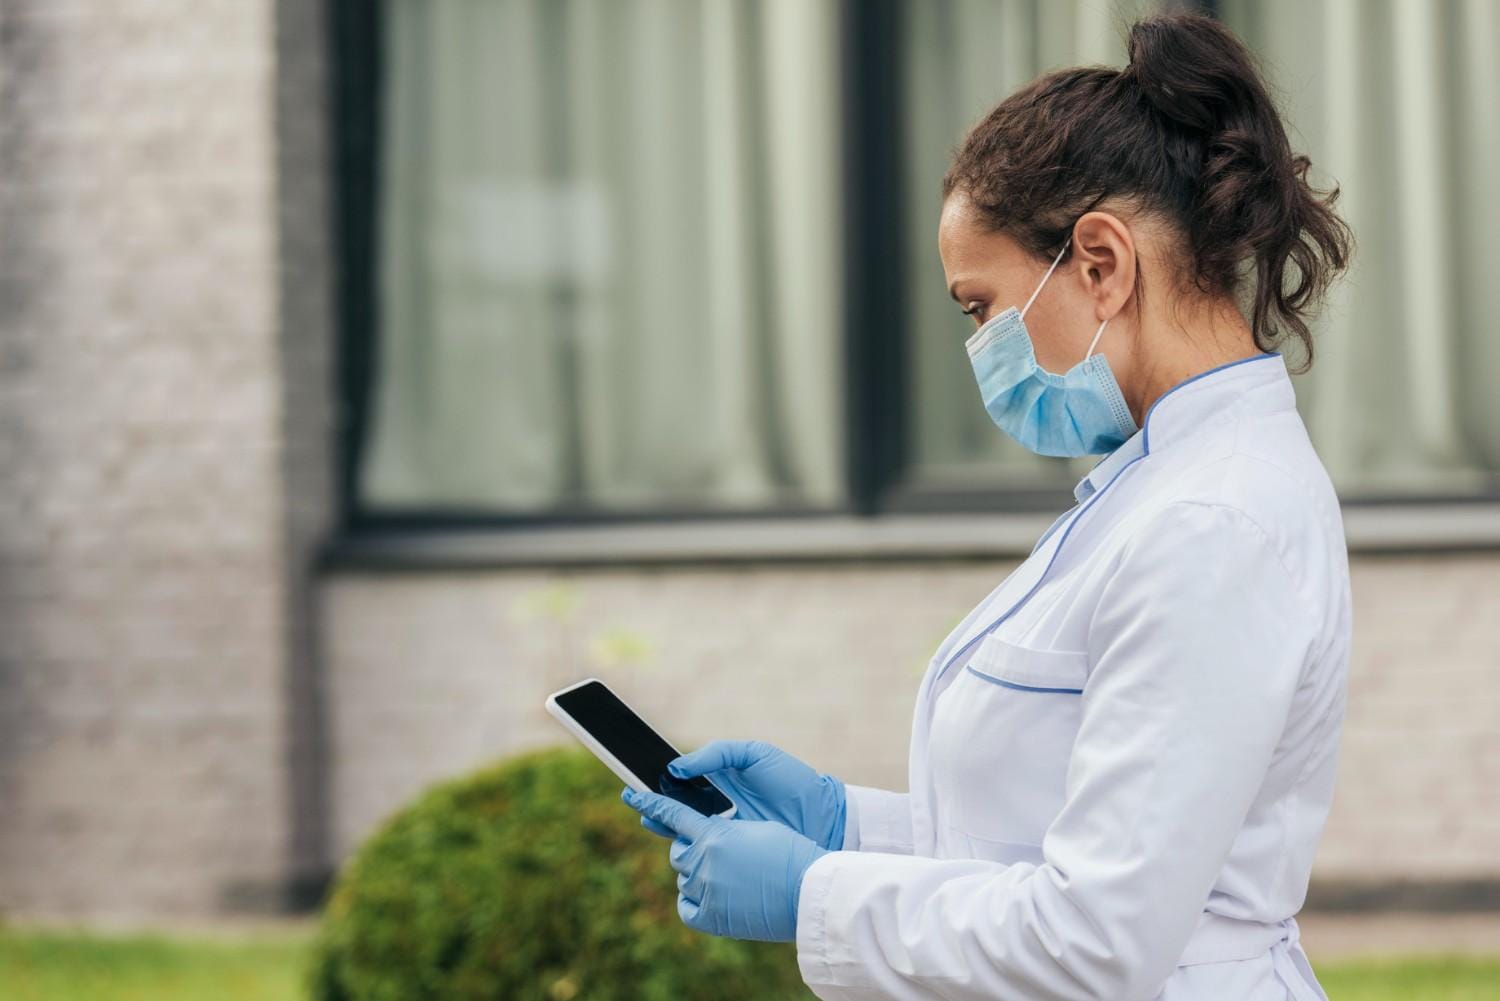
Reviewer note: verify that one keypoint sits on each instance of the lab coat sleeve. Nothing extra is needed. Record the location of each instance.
(1196, 649)
(877, 820)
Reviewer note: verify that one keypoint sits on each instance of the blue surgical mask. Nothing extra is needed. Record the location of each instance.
(1079, 413)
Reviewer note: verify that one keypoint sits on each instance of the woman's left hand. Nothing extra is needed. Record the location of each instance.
(737, 878)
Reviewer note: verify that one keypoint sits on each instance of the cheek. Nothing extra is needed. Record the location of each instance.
(1058, 337)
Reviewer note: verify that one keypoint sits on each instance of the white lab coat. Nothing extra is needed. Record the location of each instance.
(1121, 760)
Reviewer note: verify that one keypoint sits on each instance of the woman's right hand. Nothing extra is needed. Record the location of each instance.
(766, 783)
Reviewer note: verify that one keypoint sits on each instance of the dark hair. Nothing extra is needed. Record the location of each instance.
(1187, 130)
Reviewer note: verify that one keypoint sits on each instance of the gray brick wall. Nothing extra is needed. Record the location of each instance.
(149, 442)
(430, 674)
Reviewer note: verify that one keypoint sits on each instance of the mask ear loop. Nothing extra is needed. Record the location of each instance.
(1095, 342)
(1055, 260)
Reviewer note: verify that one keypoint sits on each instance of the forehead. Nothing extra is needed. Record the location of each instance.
(965, 243)
(958, 221)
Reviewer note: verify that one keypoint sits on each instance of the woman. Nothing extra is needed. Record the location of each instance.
(1123, 758)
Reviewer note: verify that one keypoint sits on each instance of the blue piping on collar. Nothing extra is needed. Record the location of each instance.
(1146, 433)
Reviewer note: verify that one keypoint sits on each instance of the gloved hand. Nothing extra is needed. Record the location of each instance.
(766, 783)
(737, 878)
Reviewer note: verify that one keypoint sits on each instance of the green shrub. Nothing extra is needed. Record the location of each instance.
(529, 881)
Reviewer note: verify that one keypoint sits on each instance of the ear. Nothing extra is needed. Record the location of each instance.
(1106, 258)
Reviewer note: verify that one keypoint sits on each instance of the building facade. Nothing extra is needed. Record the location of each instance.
(299, 517)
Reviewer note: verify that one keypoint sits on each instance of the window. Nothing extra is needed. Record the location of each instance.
(609, 258)
(622, 258)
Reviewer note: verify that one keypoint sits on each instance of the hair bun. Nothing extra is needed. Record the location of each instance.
(1192, 69)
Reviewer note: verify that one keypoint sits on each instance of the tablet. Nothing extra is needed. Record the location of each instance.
(631, 749)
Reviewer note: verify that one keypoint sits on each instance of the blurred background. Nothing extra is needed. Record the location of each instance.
(370, 369)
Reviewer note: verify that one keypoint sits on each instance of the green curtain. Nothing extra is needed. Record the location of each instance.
(1397, 101)
(610, 256)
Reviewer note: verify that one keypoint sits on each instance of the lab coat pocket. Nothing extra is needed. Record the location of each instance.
(1002, 736)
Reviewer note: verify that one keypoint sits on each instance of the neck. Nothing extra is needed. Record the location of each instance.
(1170, 352)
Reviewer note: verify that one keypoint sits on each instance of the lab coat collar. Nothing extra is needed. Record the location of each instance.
(1105, 470)
(1255, 385)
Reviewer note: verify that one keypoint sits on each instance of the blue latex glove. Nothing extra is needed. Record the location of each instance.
(766, 783)
(736, 878)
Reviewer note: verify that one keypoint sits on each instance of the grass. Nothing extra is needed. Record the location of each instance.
(1428, 978)
(54, 966)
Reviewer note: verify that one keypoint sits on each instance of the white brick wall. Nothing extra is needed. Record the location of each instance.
(1419, 777)
(432, 673)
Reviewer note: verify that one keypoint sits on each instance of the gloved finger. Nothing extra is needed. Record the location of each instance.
(680, 818)
(690, 883)
(656, 828)
(689, 911)
(685, 855)
(720, 754)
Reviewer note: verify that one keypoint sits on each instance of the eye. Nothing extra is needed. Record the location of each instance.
(976, 311)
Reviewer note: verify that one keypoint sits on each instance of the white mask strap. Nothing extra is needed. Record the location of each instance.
(1046, 276)
(1095, 342)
